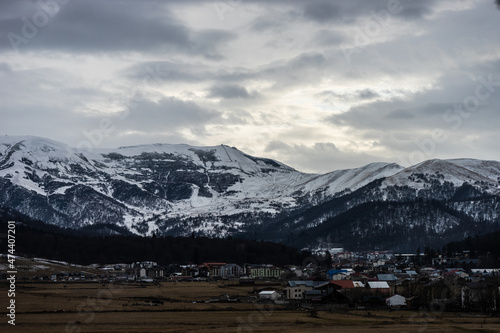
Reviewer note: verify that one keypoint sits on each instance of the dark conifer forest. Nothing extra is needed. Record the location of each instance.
(36, 239)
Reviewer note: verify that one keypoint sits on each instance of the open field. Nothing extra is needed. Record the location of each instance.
(170, 307)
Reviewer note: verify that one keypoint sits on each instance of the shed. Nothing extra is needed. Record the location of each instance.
(396, 301)
(269, 294)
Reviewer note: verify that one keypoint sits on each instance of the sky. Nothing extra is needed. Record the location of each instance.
(318, 85)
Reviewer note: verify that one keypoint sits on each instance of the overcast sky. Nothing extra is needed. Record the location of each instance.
(318, 85)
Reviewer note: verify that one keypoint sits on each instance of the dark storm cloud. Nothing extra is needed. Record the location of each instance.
(113, 25)
(228, 92)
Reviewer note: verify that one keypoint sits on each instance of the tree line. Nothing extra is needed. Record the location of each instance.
(36, 239)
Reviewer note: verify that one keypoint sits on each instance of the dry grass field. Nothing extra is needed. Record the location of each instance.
(181, 307)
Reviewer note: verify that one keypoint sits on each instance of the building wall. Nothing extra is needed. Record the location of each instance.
(296, 292)
(266, 272)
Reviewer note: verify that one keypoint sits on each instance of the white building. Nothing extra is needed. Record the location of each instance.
(396, 301)
(269, 295)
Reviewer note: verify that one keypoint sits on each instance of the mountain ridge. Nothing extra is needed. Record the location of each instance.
(217, 191)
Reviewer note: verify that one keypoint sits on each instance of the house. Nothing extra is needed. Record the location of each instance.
(323, 291)
(269, 295)
(297, 290)
(396, 301)
(379, 287)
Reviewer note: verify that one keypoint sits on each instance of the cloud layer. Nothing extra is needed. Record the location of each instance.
(320, 85)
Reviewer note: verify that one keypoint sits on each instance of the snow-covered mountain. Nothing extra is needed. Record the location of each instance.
(215, 191)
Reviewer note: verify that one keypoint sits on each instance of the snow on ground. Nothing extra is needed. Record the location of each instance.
(264, 184)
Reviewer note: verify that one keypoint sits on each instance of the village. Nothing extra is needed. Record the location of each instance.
(342, 280)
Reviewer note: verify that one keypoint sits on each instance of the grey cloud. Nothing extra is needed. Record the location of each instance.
(167, 114)
(286, 72)
(262, 24)
(444, 56)
(5, 67)
(228, 92)
(321, 11)
(400, 114)
(114, 25)
(300, 70)
(41, 120)
(349, 11)
(434, 107)
(403, 125)
(367, 94)
(321, 157)
(416, 9)
(146, 138)
(306, 60)
(328, 37)
(205, 42)
(388, 115)
(329, 96)
(166, 72)
(169, 72)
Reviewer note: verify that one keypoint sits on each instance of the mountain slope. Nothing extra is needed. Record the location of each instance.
(220, 191)
(147, 187)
